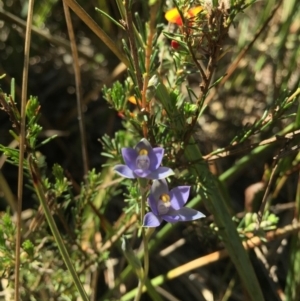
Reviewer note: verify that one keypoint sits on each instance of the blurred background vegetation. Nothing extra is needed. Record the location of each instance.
(267, 72)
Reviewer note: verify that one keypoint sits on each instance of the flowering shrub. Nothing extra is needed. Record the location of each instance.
(217, 95)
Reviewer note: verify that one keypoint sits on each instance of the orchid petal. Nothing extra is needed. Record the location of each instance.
(170, 218)
(124, 171)
(129, 155)
(156, 157)
(184, 214)
(161, 173)
(142, 173)
(151, 220)
(152, 201)
(179, 196)
(158, 188)
(144, 144)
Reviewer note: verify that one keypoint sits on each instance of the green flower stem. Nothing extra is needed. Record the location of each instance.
(143, 188)
(144, 282)
(145, 238)
(63, 251)
(136, 265)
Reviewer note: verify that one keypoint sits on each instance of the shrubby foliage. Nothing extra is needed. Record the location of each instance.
(197, 108)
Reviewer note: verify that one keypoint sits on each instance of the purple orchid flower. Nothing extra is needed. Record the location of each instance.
(143, 161)
(168, 205)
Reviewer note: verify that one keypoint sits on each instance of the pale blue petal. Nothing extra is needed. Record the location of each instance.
(155, 154)
(124, 171)
(179, 196)
(144, 144)
(151, 220)
(129, 155)
(158, 188)
(152, 201)
(142, 173)
(170, 218)
(156, 157)
(184, 214)
(161, 173)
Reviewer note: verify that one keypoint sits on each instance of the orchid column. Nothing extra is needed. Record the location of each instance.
(143, 163)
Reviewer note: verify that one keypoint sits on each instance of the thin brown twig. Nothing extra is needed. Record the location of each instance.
(81, 122)
(22, 147)
(202, 72)
(233, 149)
(206, 75)
(153, 11)
(113, 239)
(264, 200)
(132, 42)
(107, 245)
(237, 60)
(95, 284)
(9, 196)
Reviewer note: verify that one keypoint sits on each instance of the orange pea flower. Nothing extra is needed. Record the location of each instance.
(132, 100)
(173, 15)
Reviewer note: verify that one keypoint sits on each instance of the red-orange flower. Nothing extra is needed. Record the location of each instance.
(132, 100)
(173, 15)
(174, 44)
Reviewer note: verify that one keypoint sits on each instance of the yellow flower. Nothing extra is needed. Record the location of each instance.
(173, 15)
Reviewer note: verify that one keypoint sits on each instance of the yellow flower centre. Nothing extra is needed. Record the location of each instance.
(165, 197)
(164, 204)
(143, 161)
(143, 152)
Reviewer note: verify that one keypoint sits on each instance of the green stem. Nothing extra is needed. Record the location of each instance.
(139, 290)
(145, 238)
(142, 280)
(63, 251)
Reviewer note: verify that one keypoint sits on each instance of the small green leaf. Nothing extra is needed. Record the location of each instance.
(28, 247)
